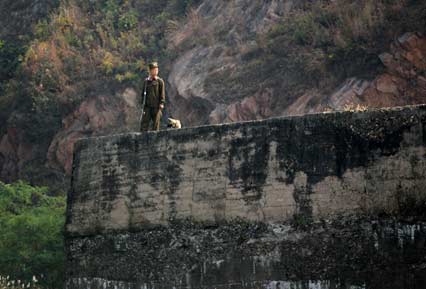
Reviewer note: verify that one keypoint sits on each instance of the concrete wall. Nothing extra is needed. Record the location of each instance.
(307, 167)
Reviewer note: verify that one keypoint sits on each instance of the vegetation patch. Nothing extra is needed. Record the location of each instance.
(31, 237)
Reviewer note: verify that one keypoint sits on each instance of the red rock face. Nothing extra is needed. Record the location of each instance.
(100, 115)
(250, 108)
(402, 83)
(96, 116)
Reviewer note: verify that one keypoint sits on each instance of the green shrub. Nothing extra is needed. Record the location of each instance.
(42, 30)
(128, 20)
(31, 234)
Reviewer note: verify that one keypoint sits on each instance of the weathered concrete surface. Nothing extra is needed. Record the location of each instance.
(309, 167)
(321, 201)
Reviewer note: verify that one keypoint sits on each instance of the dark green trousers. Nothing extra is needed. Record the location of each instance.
(151, 114)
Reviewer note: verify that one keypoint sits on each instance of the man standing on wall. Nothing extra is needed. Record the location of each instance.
(153, 99)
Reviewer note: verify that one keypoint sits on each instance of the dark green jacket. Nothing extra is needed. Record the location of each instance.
(155, 92)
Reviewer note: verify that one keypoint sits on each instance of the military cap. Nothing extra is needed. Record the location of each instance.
(153, 65)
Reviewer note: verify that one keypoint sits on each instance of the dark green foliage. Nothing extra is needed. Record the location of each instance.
(182, 6)
(10, 57)
(128, 20)
(31, 234)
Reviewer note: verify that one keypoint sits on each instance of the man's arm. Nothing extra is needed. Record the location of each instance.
(162, 93)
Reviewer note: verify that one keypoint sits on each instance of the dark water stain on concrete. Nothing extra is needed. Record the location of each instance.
(248, 162)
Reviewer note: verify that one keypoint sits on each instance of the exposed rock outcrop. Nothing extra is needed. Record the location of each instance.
(401, 83)
(195, 67)
(404, 79)
(96, 116)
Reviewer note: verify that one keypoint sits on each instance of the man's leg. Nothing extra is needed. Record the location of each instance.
(157, 115)
(146, 117)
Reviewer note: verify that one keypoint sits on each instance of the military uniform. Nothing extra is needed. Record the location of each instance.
(155, 95)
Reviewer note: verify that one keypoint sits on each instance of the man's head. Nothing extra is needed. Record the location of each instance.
(153, 69)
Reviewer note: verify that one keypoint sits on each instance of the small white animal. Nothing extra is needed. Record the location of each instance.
(174, 123)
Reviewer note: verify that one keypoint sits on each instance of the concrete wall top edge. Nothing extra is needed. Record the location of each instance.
(170, 133)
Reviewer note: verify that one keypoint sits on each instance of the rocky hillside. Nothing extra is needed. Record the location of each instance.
(78, 72)
(289, 57)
